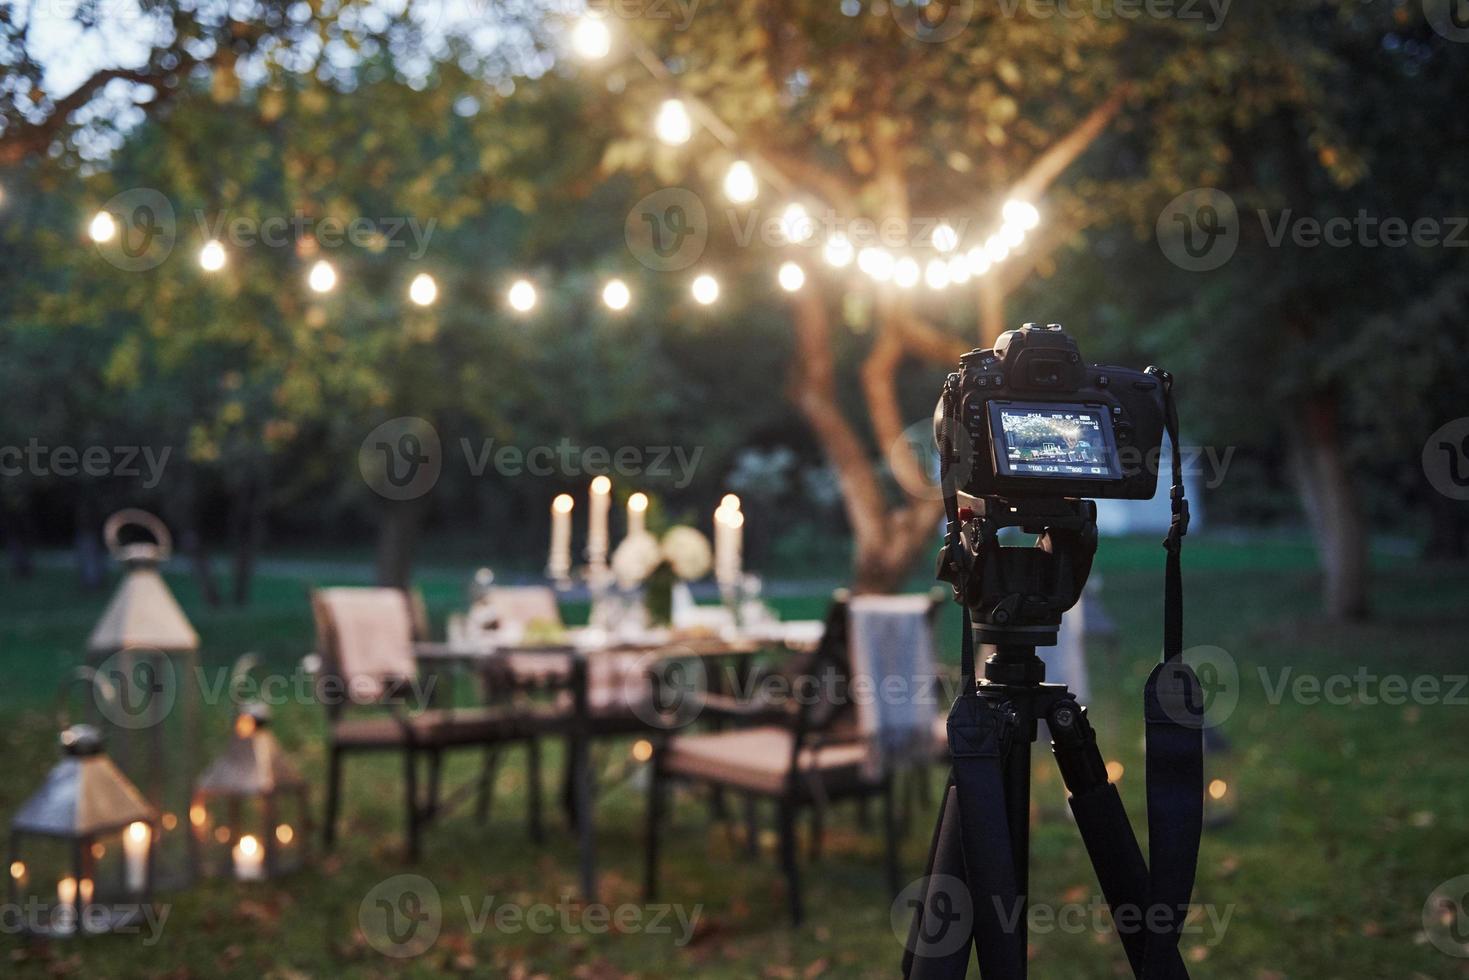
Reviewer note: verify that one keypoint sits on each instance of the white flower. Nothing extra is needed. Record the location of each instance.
(635, 558)
(688, 552)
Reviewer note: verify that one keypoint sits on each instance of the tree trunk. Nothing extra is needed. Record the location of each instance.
(991, 311)
(1319, 467)
(397, 541)
(183, 514)
(248, 530)
(87, 540)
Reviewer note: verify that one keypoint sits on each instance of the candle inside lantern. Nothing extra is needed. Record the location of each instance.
(249, 859)
(637, 515)
(597, 524)
(64, 918)
(728, 542)
(135, 844)
(558, 566)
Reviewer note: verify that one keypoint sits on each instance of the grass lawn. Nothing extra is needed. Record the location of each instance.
(1351, 809)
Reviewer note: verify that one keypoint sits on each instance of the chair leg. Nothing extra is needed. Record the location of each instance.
(864, 818)
(788, 859)
(656, 803)
(410, 791)
(435, 763)
(752, 825)
(818, 830)
(890, 834)
(333, 796)
(486, 791)
(533, 789)
(568, 783)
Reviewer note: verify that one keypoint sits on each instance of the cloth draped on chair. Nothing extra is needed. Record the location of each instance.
(894, 678)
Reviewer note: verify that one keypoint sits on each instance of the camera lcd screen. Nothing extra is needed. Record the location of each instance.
(1062, 441)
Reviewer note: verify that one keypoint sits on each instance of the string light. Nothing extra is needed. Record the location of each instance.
(616, 295)
(705, 289)
(522, 296)
(212, 256)
(876, 263)
(323, 277)
(1012, 235)
(995, 249)
(103, 227)
(791, 277)
(905, 272)
(673, 124)
(423, 290)
(796, 224)
(1023, 214)
(838, 251)
(936, 274)
(945, 239)
(740, 185)
(978, 261)
(958, 269)
(591, 37)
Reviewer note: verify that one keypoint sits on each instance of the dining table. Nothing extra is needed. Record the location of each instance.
(568, 660)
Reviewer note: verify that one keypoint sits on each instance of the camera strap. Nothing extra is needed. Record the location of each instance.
(1173, 710)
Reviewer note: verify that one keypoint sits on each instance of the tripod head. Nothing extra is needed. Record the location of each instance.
(1016, 595)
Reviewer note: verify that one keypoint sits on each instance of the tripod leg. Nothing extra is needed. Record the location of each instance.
(1105, 830)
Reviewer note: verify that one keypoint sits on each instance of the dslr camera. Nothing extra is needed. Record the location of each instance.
(1030, 419)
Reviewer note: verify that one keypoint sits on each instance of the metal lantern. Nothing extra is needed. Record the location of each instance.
(250, 813)
(145, 647)
(82, 847)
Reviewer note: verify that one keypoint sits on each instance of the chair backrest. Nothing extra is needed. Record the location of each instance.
(366, 638)
(894, 671)
(520, 606)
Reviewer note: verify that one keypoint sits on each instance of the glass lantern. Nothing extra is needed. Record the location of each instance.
(82, 848)
(250, 814)
(146, 650)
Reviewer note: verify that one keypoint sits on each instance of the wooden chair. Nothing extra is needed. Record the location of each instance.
(368, 682)
(821, 750)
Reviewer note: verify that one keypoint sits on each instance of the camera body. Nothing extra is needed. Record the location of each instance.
(1040, 422)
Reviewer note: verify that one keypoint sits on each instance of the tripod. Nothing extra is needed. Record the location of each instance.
(979, 861)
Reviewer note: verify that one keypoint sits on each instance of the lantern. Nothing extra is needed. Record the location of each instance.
(250, 815)
(146, 649)
(82, 847)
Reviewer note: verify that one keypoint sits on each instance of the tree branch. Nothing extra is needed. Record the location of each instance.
(1044, 170)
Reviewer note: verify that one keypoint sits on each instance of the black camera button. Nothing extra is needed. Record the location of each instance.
(1145, 385)
(999, 380)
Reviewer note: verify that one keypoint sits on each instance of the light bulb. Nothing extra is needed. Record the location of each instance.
(958, 269)
(673, 124)
(740, 185)
(936, 274)
(103, 227)
(978, 261)
(1020, 213)
(791, 277)
(838, 251)
(423, 290)
(876, 262)
(616, 294)
(323, 277)
(705, 289)
(905, 273)
(212, 256)
(522, 296)
(795, 223)
(591, 38)
(945, 239)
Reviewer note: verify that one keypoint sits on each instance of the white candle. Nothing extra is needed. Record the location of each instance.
(249, 859)
(64, 918)
(728, 536)
(558, 566)
(135, 843)
(637, 514)
(597, 523)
